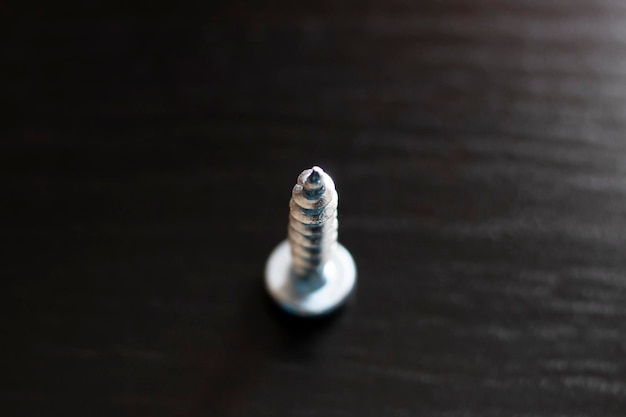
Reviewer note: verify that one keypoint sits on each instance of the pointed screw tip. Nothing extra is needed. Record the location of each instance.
(315, 177)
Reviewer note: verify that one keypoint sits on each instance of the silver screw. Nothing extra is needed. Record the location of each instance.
(310, 273)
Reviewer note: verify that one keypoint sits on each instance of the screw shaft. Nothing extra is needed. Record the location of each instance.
(313, 223)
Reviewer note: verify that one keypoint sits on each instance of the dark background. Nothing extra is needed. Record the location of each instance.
(148, 155)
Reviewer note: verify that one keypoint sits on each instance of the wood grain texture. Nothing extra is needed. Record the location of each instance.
(478, 148)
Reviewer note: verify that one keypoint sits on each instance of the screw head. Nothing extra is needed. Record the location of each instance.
(302, 298)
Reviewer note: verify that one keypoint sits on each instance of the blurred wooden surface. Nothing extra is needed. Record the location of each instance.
(479, 151)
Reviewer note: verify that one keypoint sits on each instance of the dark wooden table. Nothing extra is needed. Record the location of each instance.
(480, 154)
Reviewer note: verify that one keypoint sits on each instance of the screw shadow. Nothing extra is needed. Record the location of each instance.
(262, 336)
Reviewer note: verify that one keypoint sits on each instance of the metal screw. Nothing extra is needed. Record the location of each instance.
(310, 273)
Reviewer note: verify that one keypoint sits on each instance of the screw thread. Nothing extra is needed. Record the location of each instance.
(312, 230)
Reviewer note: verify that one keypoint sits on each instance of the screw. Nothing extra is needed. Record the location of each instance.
(310, 273)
